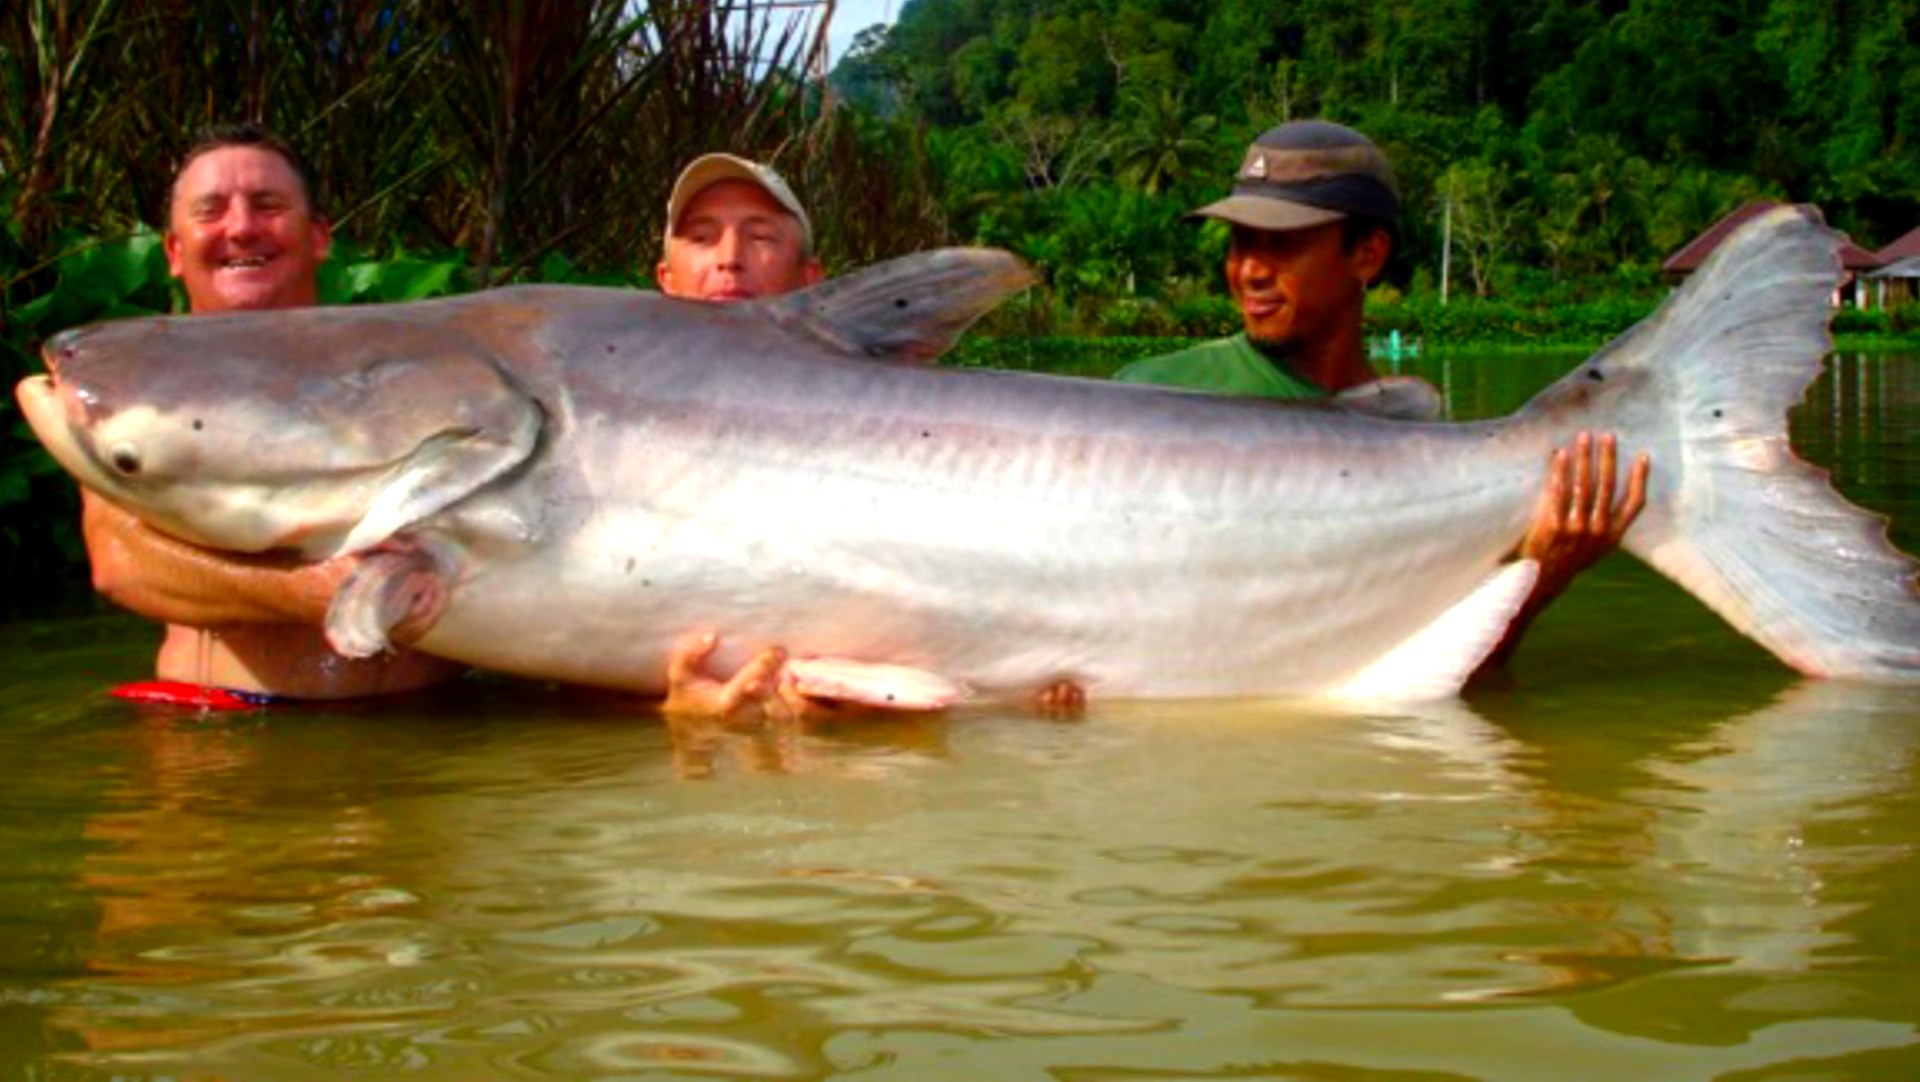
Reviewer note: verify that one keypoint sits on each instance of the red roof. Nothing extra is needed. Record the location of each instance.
(1688, 259)
(1905, 248)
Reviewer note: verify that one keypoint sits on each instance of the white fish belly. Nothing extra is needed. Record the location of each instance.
(1161, 567)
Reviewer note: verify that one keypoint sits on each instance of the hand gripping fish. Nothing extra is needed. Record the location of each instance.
(586, 474)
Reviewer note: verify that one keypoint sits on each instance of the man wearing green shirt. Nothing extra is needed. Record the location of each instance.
(1313, 211)
(1232, 365)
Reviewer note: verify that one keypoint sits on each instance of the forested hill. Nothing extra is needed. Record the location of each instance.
(1576, 142)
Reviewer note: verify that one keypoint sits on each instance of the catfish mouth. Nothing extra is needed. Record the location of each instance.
(63, 416)
(52, 406)
(51, 416)
(60, 416)
(315, 512)
(247, 456)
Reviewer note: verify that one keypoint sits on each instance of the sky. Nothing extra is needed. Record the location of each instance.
(852, 16)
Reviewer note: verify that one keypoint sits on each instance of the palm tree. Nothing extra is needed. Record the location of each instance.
(1158, 145)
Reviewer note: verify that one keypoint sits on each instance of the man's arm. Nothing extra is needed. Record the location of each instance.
(1579, 521)
(146, 571)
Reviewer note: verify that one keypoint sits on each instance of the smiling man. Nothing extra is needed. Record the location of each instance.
(244, 233)
(1313, 210)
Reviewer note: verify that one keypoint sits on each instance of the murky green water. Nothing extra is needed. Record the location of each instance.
(1653, 855)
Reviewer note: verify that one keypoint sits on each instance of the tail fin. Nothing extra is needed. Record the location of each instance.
(1733, 514)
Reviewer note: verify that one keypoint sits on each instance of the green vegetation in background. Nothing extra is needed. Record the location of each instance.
(1571, 146)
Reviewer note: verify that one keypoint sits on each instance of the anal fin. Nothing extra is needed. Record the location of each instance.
(1435, 662)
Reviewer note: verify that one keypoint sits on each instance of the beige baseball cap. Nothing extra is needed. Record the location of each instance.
(710, 169)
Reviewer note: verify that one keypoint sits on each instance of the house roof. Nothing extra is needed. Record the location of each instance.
(1688, 259)
(1899, 268)
(1905, 248)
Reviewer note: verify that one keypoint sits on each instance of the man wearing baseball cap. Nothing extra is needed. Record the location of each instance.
(735, 231)
(1314, 210)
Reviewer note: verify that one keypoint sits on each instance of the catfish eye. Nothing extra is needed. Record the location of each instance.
(125, 459)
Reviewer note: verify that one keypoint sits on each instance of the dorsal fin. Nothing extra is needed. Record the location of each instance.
(907, 309)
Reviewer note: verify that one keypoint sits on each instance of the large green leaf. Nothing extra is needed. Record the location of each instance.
(412, 280)
(101, 273)
(555, 267)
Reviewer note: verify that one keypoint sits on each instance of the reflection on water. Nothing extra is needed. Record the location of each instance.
(1652, 854)
(522, 885)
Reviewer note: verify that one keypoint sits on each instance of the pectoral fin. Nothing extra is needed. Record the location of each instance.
(1437, 660)
(453, 423)
(889, 687)
(442, 471)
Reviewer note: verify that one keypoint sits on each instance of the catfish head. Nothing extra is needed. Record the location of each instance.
(321, 431)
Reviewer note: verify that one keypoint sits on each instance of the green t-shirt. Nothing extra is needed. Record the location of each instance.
(1223, 366)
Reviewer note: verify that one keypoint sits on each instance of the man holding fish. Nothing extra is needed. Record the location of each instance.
(1314, 211)
(245, 232)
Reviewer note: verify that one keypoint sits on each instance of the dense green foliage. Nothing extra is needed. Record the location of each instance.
(1571, 145)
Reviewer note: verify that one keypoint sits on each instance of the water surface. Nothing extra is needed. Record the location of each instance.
(1652, 853)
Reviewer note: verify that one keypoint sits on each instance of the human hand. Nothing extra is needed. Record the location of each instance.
(1579, 520)
(762, 682)
(425, 585)
(1062, 699)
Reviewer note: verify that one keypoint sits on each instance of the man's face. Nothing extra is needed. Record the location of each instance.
(240, 234)
(1297, 286)
(733, 242)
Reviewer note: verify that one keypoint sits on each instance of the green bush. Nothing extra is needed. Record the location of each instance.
(1852, 320)
(1502, 321)
(1905, 318)
(1206, 316)
(1129, 317)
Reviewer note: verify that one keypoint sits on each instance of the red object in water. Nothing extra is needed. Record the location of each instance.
(180, 693)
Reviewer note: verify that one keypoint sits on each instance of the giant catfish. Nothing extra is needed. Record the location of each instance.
(590, 473)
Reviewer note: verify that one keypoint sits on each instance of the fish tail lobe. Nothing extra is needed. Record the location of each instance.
(1733, 514)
